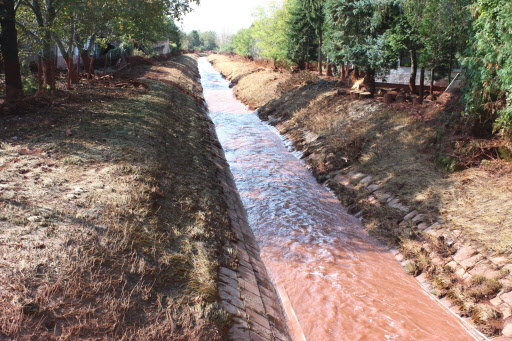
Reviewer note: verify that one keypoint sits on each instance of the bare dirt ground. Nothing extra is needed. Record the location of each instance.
(410, 157)
(112, 218)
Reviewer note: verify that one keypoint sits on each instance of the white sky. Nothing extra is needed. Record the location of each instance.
(222, 16)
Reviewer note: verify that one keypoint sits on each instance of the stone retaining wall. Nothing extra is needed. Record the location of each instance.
(246, 289)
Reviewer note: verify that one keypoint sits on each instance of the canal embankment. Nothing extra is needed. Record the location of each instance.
(449, 227)
(118, 218)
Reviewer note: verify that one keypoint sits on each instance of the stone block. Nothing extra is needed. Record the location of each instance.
(367, 180)
(253, 301)
(373, 188)
(464, 252)
(469, 263)
(237, 333)
(505, 310)
(422, 226)
(460, 271)
(500, 260)
(507, 298)
(342, 180)
(258, 318)
(411, 215)
(484, 269)
(382, 197)
(432, 229)
(496, 301)
(233, 291)
(397, 205)
(249, 286)
(228, 280)
(417, 218)
(507, 328)
(231, 308)
(227, 272)
(256, 337)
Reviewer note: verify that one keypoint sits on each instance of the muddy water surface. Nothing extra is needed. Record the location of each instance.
(335, 281)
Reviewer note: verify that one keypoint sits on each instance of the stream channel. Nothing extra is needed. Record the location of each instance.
(335, 281)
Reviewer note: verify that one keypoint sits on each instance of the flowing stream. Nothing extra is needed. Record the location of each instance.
(334, 280)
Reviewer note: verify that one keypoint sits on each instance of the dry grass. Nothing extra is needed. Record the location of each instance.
(255, 85)
(479, 205)
(116, 231)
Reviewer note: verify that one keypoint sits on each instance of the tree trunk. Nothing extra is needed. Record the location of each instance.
(414, 71)
(39, 74)
(334, 69)
(10, 52)
(450, 70)
(1, 64)
(343, 72)
(86, 60)
(422, 85)
(91, 67)
(369, 80)
(432, 84)
(73, 76)
(320, 42)
(356, 72)
(328, 72)
(48, 62)
(105, 65)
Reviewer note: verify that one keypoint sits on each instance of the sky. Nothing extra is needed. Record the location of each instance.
(222, 16)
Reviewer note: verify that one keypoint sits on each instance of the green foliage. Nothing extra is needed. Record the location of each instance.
(270, 31)
(301, 37)
(227, 47)
(243, 43)
(356, 32)
(194, 40)
(208, 40)
(489, 64)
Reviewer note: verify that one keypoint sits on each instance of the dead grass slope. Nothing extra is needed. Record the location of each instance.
(255, 85)
(112, 219)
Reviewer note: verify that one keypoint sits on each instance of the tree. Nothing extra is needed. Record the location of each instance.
(442, 27)
(194, 40)
(315, 13)
(403, 38)
(357, 33)
(9, 48)
(209, 40)
(270, 30)
(243, 43)
(301, 36)
(489, 67)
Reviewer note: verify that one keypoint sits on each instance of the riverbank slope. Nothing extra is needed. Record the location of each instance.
(392, 166)
(113, 220)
